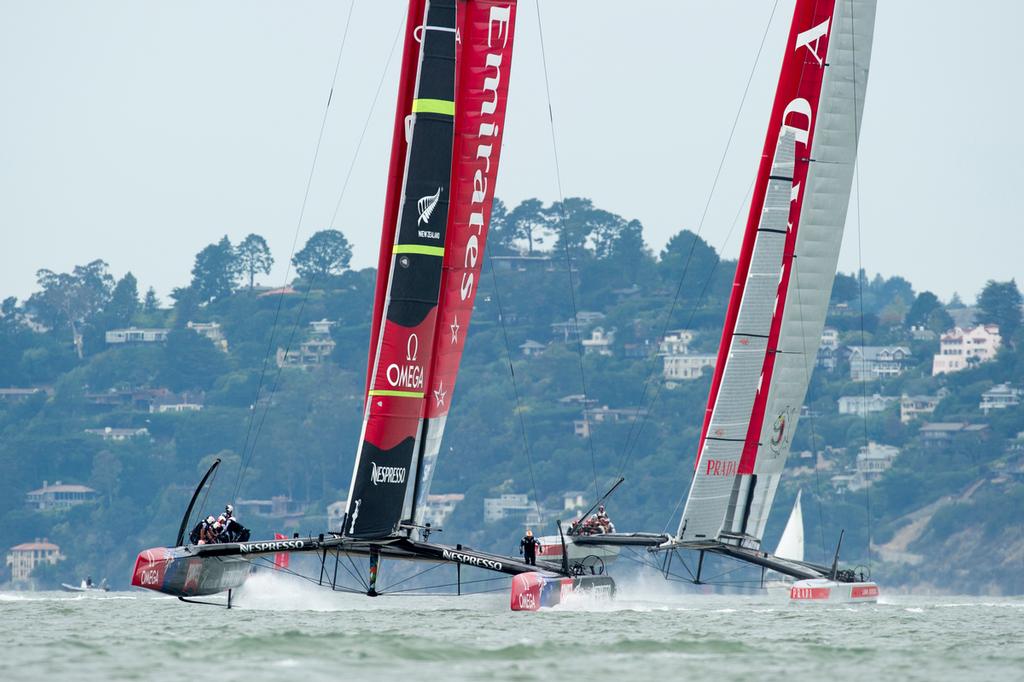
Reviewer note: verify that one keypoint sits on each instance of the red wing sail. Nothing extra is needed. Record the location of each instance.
(486, 30)
(380, 496)
(785, 271)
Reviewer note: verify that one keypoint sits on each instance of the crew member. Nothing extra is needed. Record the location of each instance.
(233, 530)
(208, 533)
(528, 547)
(602, 519)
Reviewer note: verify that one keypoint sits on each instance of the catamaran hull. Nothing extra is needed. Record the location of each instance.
(181, 574)
(534, 591)
(825, 591)
(551, 550)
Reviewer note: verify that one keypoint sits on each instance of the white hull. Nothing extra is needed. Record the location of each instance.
(825, 591)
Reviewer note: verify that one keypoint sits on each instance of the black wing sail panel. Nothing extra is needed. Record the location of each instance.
(380, 497)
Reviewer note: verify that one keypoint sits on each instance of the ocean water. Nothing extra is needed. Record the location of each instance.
(283, 630)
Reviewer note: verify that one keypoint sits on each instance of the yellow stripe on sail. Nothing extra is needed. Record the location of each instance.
(397, 394)
(433, 106)
(419, 248)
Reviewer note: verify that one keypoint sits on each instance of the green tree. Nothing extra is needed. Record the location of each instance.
(999, 303)
(845, 289)
(152, 303)
(922, 307)
(71, 299)
(106, 475)
(528, 221)
(191, 361)
(326, 253)
(254, 258)
(124, 302)
(688, 254)
(214, 272)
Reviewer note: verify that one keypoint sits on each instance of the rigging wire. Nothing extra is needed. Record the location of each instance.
(693, 311)
(298, 226)
(638, 425)
(313, 278)
(860, 261)
(515, 385)
(568, 255)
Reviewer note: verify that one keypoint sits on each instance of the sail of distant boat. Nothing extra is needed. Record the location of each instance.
(791, 544)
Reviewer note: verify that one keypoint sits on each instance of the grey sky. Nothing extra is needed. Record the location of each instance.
(138, 132)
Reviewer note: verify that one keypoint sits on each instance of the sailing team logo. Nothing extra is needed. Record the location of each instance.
(409, 375)
(782, 431)
(379, 474)
(426, 206)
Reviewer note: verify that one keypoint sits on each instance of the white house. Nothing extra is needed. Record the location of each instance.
(437, 508)
(861, 405)
(509, 505)
(960, 348)
(676, 342)
(600, 342)
(605, 414)
(212, 331)
(999, 397)
(868, 363)
(531, 348)
(875, 459)
(59, 496)
(25, 557)
(686, 367)
(134, 335)
(116, 434)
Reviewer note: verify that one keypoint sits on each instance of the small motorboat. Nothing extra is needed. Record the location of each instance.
(87, 585)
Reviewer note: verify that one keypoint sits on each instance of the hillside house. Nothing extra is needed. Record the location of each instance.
(14, 395)
(132, 335)
(212, 331)
(938, 433)
(686, 367)
(437, 508)
(828, 352)
(869, 363)
(861, 405)
(118, 434)
(570, 329)
(59, 496)
(314, 351)
(875, 459)
(511, 506)
(914, 406)
(676, 342)
(531, 348)
(999, 397)
(961, 348)
(277, 507)
(606, 415)
(24, 558)
(599, 343)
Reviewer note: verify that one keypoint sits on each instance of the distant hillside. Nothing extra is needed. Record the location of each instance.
(133, 398)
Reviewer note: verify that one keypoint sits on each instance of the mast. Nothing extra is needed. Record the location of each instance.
(445, 150)
(412, 247)
(784, 274)
(486, 32)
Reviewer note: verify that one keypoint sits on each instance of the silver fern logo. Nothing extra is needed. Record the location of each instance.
(426, 206)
